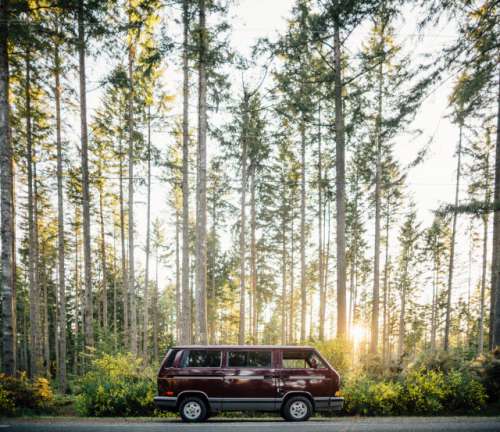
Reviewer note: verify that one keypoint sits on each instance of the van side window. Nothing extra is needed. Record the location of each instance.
(301, 360)
(249, 359)
(201, 358)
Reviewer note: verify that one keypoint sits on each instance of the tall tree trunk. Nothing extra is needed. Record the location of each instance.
(155, 311)
(36, 339)
(148, 250)
(60, 228)
(284, 338)
(322, 296)
(201, 184)
(434, 304)
(104, 292)
(6, 187)
(88, 316)
(244, 175)
(41, 274)
(76, 347)
(131, 247)
(125, 290)
(385, 336)
(115, 296)
(303, 294)
(186, 335)
(291, 318)
(253, 254)
(484, 258)
(177, 272)
(402, 316)
(495, 276)
(452, 245)
(378, 187)
(340, 185)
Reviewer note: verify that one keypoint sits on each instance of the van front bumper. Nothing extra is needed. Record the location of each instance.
(165, 402)
(333, 403)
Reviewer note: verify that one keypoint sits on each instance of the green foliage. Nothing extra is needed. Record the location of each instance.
(337, 352)
(416, 392)
(20, 395)
(365, 396)
(487, 368)
(116, 386)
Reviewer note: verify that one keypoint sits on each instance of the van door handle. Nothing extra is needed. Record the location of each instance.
(268, 376)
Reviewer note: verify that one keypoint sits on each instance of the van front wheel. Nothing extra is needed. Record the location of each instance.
(193, 410)
(297, 408)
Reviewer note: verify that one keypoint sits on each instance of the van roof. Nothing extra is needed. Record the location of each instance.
(287, 347)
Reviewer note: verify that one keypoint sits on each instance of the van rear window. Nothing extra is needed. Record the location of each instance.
(249, 359)
(170, 358)
(201, 358)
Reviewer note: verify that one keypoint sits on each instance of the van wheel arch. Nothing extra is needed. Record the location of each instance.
(197, 394)
(297, 393)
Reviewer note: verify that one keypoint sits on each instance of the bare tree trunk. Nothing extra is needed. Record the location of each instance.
(284, 338)
(177, 273)
(115, 297)
(244, 174)
(148, 250)
(76, 347)
(88, 316)
(201, 185)
(378, 187)
(104, 292)
(303, 294)
(155, 312)
(60, 228)
(41, 275)
(452, 245)
(291, 319)
(253, 254)
(495, 272)
(7, 203)
(185, 334)
(484, 261)
(385, 336)
(131, 247)
(125, 290)
(434, 305)
(402, 316)
(36, 342)
(322, 296)
(340, 186)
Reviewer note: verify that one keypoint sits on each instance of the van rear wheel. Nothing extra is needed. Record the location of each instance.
(193, 409)
(297, 408)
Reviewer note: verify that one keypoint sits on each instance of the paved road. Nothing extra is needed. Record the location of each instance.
(346, 424)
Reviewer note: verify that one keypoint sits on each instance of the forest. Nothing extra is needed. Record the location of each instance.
(160, 186)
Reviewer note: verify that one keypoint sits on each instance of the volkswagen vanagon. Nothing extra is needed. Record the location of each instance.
(199, 381)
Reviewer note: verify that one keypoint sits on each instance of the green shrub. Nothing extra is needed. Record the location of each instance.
(19, 395)
(417, 392)
(364, 396)
(487, 369)
(116, 386)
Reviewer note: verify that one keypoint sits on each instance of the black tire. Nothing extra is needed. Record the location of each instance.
(297, 408)
(193, 409)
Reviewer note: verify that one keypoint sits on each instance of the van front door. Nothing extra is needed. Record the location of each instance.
(250, 381)
(304, 371)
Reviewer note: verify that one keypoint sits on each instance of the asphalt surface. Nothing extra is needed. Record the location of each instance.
(345, 424)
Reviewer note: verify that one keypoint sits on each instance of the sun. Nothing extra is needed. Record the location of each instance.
(358, 333)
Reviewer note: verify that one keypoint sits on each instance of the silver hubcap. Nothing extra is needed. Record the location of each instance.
(192, 410)
(298, 409)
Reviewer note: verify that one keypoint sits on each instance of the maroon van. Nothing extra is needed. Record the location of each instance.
(199, 381)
